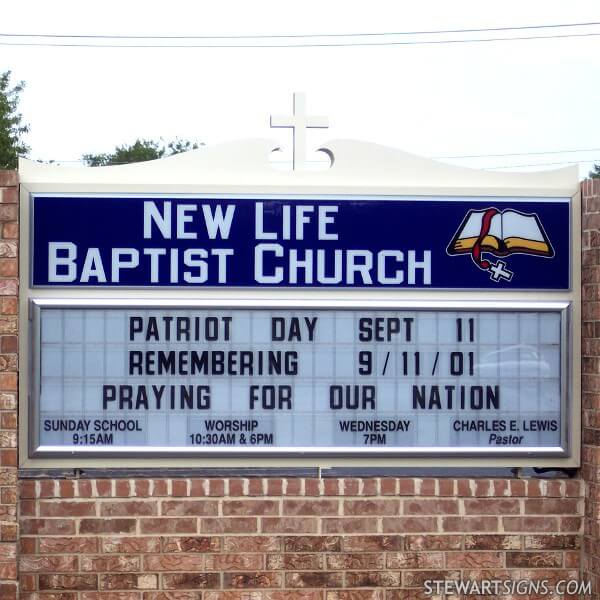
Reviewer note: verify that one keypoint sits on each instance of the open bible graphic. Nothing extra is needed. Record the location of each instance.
(500, 233)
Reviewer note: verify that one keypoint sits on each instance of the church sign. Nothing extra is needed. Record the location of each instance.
(208, 309)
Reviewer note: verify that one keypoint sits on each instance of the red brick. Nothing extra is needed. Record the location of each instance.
(492, 542)
(331, 487)
(312, 487)
(177, 581)
(552, 542)
(179, 487)
(107, 526)
(66, 488)
(572, 489)
(417, 578)
(67, 509)
(570, 524)
(174, 562)
(372, 579)
(425, 487)
(351, 487)
(527, 524)
(347, 525)
(68, 582)
(431, 507)
(470, 524)
(128, 508)
(406, 487)
(389, 486)
(492, 506)
(103, 488)
(8, 458)
(313, 579)
(237, 487)
(274, 487)
(235, 562)
(48, 564)
(8, 591)
(254, 543)
(370, 487)
(409, 524)
(229, 525)
(8, 570)
(303, 561)
(8, 381)
(26, 546)
(47, 526)
(27, 489)
(216, 487)
(433, 542)
(288, 525)
(345, 561)
(8, 533)
(67, 545)
(141, 488)
(8, 420)
(292, 487)
(177, 508)
(474, 560)
(310, 543)
(103, 564)
(168, 525)
(171, 595)
(446, 487)
(191, 544)
(8, 401)
(415, 560)
(130, 545)
(8, 178)
(264, 595)
(112, 596)
(127, 581)
(371, 507)
(310, 507)
(10, 287)
(534, 560)
(159, 487)
(572, 560)
(549, 506)
(250, 507)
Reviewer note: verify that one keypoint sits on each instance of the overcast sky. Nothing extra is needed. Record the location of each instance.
(435, 100)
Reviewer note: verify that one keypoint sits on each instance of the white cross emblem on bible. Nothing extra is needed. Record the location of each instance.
(498, 271)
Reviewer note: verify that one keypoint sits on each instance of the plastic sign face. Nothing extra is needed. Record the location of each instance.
(351, 242)
(285, 381)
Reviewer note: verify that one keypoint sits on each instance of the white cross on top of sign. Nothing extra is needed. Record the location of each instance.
(299, 122)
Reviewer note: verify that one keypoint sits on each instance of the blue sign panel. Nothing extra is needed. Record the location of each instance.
(413, 243)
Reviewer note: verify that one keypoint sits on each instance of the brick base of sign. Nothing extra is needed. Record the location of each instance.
(590, 274)
(304, 539)
(9, 232)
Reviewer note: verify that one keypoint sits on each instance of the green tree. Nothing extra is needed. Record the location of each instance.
(12, 128)
(595, 173)
(140, 151)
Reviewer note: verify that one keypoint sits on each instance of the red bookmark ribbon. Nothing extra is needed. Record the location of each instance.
(486, 223)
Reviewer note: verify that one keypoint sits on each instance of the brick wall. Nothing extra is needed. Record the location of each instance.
(302, 539)
(8, 383)
(591, 375)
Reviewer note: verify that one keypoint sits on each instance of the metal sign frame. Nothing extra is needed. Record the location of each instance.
(562, 451)
(360, 170)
